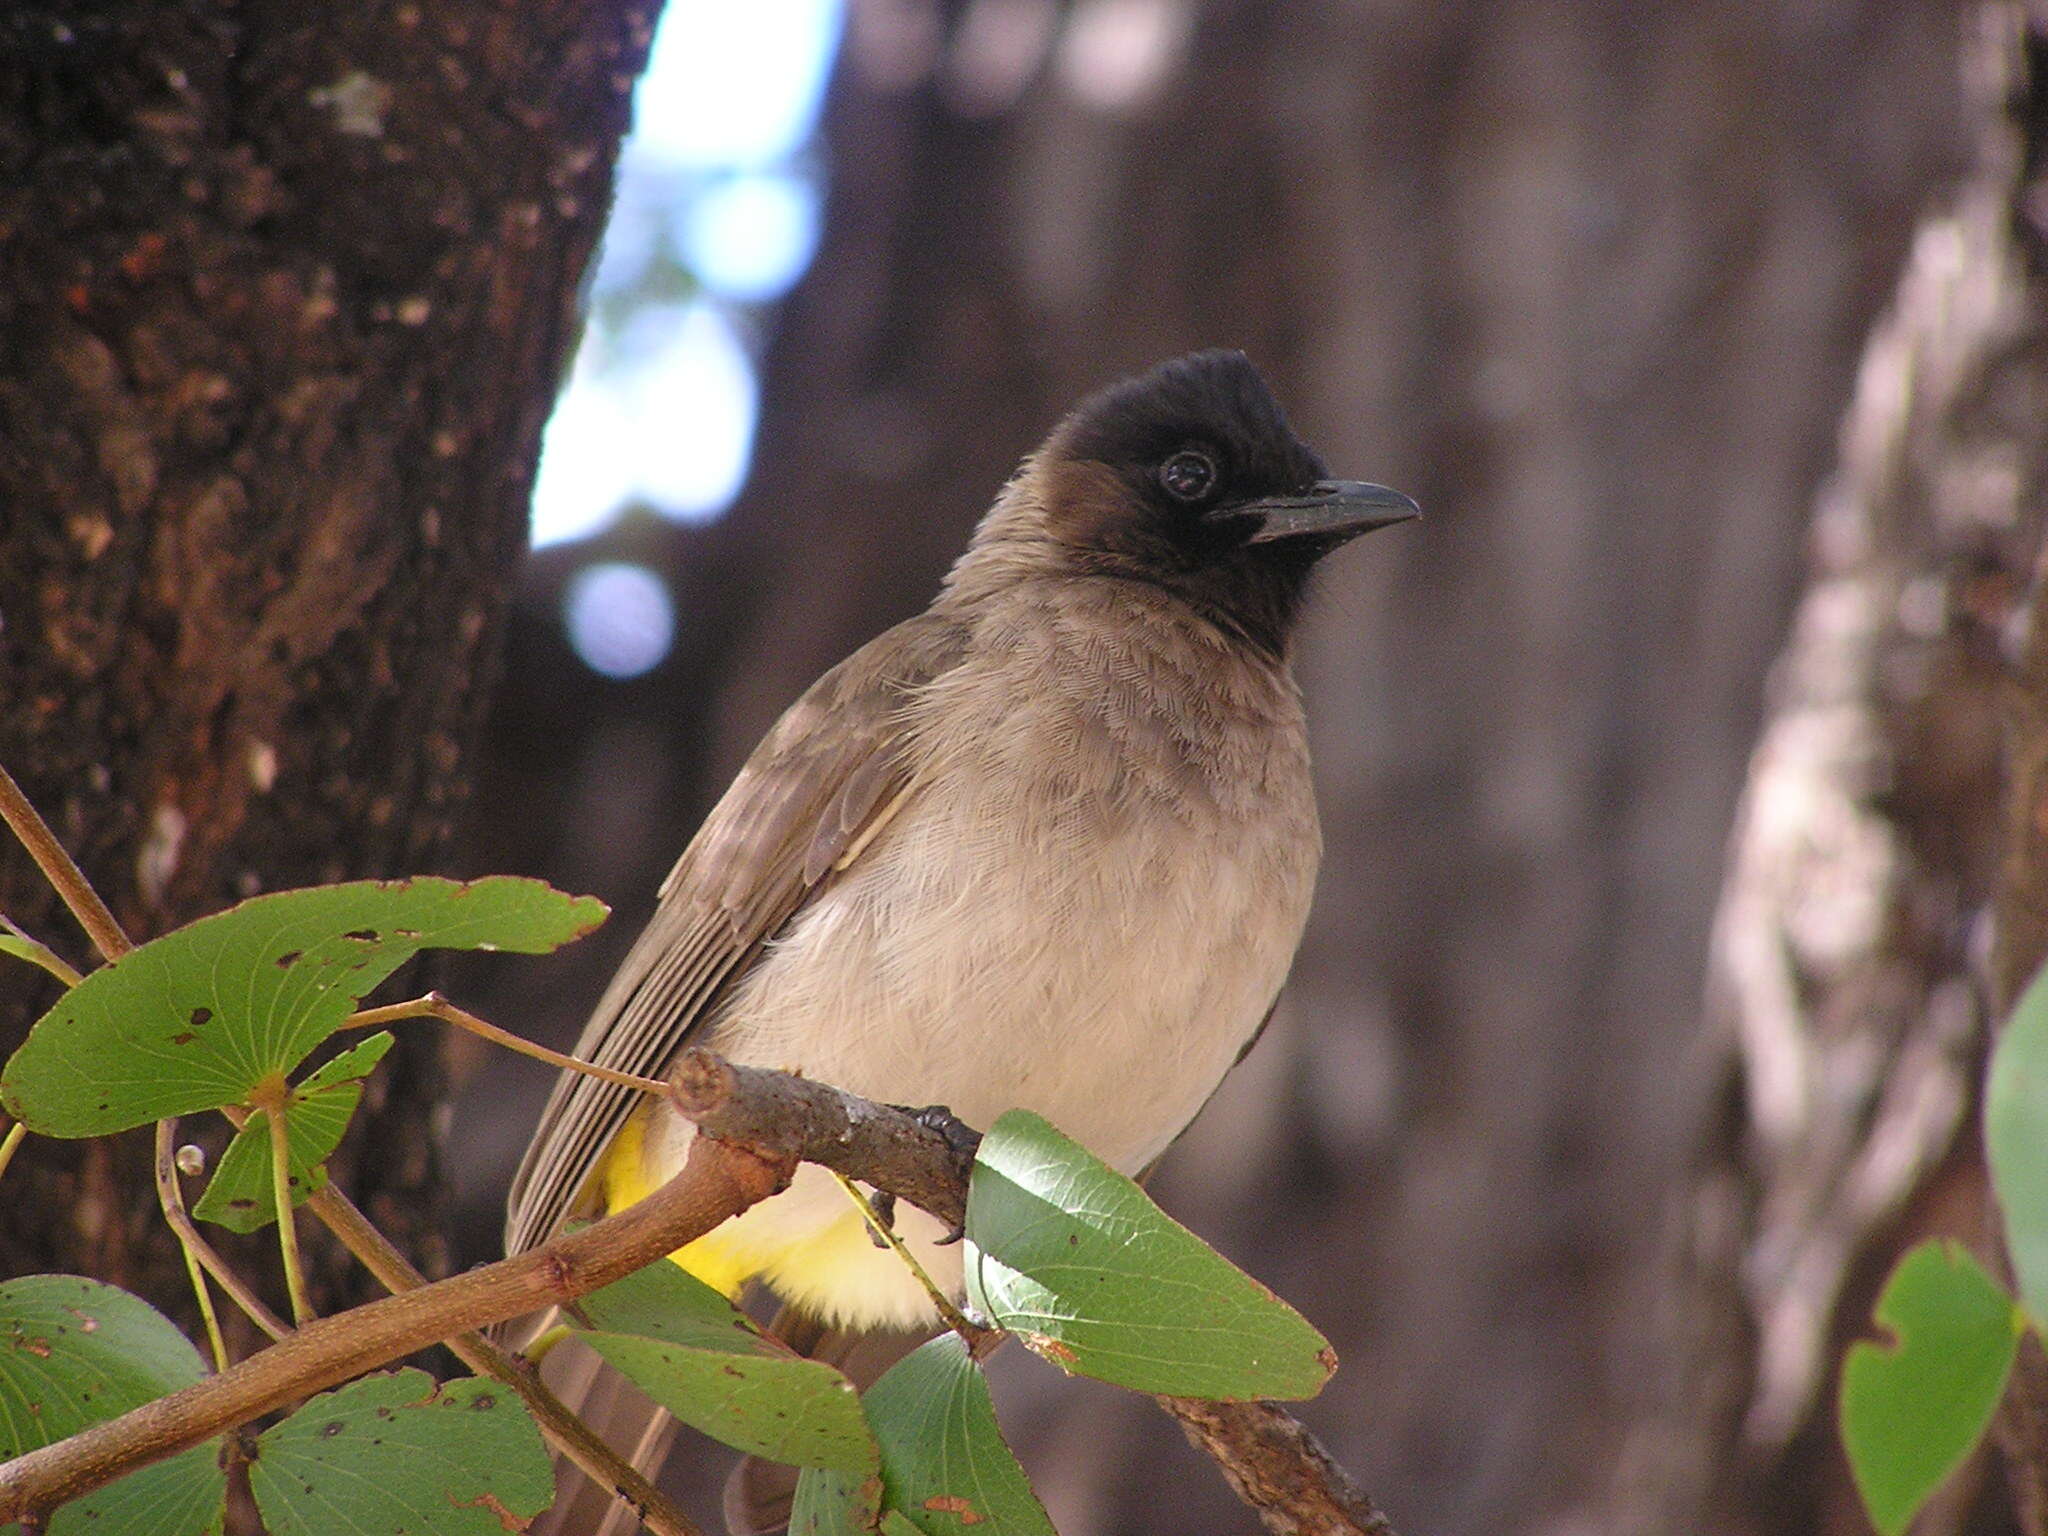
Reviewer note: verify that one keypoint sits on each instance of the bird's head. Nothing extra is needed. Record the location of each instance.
(1188, 477)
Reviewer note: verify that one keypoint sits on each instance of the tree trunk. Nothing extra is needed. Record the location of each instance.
(1890, 824)
(284, 293)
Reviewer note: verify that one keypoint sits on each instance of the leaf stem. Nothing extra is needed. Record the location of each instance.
(60, 870)
(434, 1005)
(35, 952)
(200, 1289)
(172, 1200)
(8, 1143)
(951, 1315)
(287, 1224)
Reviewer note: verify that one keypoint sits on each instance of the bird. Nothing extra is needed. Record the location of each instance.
(1050, 845)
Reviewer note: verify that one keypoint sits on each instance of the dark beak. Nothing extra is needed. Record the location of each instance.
(1328, 512)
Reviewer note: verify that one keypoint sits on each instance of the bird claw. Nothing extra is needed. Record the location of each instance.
(963, 1139)
(883, 1204)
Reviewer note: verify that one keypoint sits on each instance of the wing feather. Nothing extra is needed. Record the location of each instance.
(804, 805)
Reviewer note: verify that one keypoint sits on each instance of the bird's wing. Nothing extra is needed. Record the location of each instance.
(806, 803)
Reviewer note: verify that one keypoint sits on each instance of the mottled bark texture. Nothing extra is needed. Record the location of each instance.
(284, 293)
(1883, 896)
(1590, 280)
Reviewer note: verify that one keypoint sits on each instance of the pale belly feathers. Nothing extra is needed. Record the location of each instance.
(1104, 968)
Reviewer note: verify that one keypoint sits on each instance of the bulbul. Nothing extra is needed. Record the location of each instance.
(1050, 844)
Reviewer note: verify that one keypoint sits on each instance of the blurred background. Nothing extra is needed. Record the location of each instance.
(1591, 282)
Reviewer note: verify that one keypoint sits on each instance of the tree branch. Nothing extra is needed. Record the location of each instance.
(1268, 1457)
(756, 1126)
(720, 1180)
(1278, 1468)
(889, 1148)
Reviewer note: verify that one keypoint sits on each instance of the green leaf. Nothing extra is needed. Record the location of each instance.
(945, 1464)
(830, 1503)
(178, 1497)
(316, 1116)
(1912, 1412)
(398, 1455)
(665, 1301)
(686, 1347)
(1074, 1259)
(838, 1504)
(2016, 1140)
(198, 1018)
(74, 1353)
(351, 1066)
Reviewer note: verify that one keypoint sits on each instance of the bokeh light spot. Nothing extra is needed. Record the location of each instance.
(734, 84)
(620, 618)
(751, 236)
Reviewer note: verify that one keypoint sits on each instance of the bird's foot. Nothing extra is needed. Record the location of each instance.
(961, 1139)
(883, 1204)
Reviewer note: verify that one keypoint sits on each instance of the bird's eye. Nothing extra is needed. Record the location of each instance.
(1188, 475)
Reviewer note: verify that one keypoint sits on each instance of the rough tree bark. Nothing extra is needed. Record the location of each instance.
(1590, 281)
(1883, 901)
(284, 293)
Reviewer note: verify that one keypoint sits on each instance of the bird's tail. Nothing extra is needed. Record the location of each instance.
(623, 1417)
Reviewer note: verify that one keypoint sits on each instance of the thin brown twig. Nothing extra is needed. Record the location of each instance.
(718, 1181)
(172, 1200)
(567, 1433)
(884, 1147)
(61, 870)
(434, 1005)
(167, 1188)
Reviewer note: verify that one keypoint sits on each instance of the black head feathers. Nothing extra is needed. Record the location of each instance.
(1211, 403)
(1187, 477)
